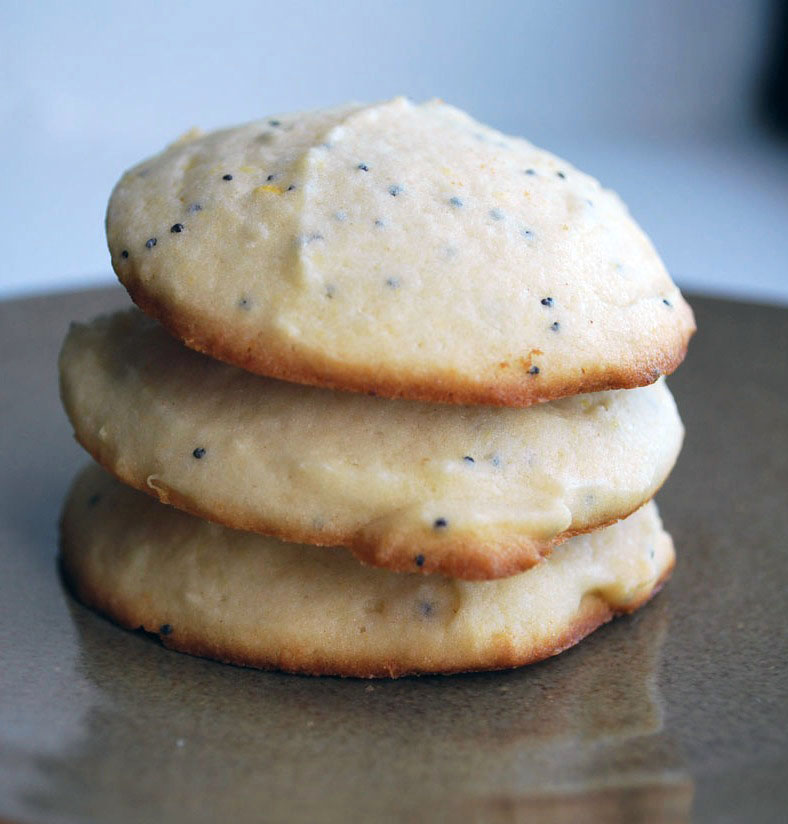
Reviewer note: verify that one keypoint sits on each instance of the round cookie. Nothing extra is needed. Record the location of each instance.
(400, 249)
(471, 492)
(252, 600)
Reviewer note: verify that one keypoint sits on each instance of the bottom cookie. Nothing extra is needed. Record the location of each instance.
(251, 600)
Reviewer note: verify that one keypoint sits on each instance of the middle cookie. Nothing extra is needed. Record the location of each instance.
(470, 492)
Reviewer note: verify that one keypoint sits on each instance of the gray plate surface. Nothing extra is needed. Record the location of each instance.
(677, 713)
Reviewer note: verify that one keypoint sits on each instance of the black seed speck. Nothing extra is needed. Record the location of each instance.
(468, 459)
(363, 167)
(495, 460)
(395, 190)
(379, 223)
(527, 233)
(165, 629)
(271, 177)
(125, 254)
(651, 553)
(176, 228)
(530, 171)
(227, 177)
(561, 175)
(291, 187)
(496, 214)
(546, 301)
(274, 123)
(440, 523)
(195, 207)
(456, 202)
(150, 242)
(419, 559)
(392, 283)
(534, 370)
(244, 303)
(555, 326)
(426, 608)
(667, 302)
(94, 499)
(199, 452)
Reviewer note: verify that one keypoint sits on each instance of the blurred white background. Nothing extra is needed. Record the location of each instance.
(656, 98)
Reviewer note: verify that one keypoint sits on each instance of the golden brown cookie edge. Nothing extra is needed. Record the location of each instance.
(460, 557)
(288, 364)
(593, 612)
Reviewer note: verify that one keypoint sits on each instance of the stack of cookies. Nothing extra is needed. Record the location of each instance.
(396, 399)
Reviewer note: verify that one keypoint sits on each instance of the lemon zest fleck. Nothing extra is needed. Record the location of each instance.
(269, 187)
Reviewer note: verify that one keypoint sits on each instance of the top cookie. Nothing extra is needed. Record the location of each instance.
(399, 249)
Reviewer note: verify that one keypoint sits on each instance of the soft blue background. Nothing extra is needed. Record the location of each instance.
(655, 98)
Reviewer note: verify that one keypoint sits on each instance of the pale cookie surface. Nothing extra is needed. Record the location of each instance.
(397, 248)
(253, 600)
(472, 492)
